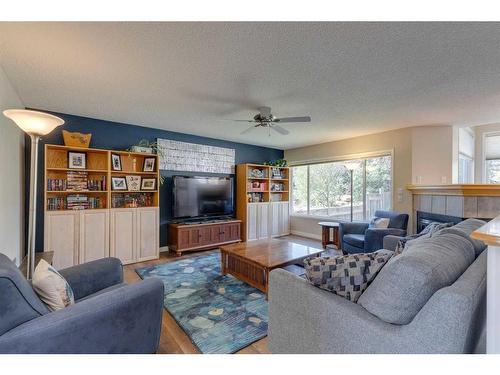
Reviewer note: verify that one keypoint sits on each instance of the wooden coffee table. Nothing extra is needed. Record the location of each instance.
(252, 261)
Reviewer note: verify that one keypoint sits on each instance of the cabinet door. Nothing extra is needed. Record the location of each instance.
(61, 237)
(263, 220)
(284, 218)
(183, 239)
(195, 236)
(122, 235)
(276, 218)
(234, 231)
(252, 222)
(94, 235)
(147, 231)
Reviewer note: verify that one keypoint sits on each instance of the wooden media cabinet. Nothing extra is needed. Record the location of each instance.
(184, 237)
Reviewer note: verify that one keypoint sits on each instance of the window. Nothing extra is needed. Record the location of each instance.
(492, 156)
(324, 189)
(465, 156)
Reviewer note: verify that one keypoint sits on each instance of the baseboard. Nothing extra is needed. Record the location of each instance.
(307, 235)
(163, 248)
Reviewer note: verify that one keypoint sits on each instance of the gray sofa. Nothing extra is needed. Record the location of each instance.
(430, 299)
(109, 316)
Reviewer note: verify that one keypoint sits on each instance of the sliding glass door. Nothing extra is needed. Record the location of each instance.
(324, 189)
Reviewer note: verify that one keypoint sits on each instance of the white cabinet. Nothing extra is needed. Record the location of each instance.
(123, 235)
(130, 234)
(284, 218)
(252, 222)
(134, 234)
(262, 220)
(270, 219)
(62, 237)
(275, 218)
(94, 235)
(280, 218)
(147, 231)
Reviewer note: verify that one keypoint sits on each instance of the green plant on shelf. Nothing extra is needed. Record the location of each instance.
(277, 163)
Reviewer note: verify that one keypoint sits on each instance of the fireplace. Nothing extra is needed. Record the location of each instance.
(425, 218)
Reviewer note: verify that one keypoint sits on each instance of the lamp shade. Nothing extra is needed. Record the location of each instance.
(34, 122)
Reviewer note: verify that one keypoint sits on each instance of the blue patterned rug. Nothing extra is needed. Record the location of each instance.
(220, 314)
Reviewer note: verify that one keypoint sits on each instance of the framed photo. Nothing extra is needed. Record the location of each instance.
(148, 184)
(133, 183)
(149, 165)
(118, 183)
(77, 160)
(116, 162)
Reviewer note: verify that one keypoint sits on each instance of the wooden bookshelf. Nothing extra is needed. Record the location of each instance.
(257, 187)
(98, 167)
(128, 230)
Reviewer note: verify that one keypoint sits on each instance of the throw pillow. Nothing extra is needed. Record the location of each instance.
(380, 222)
(51, 287)
(346, 275)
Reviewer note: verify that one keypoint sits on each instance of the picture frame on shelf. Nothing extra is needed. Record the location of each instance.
(77, 160)
(148, 184)
(116, 162)
(149, 165)
(133, 183)
(119, 184)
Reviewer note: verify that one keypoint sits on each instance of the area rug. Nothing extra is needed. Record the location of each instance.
(220, 314)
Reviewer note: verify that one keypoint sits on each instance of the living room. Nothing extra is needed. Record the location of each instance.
(256, 187)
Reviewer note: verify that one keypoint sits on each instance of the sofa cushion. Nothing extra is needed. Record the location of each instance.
(427, 232)
(346, 275)
(407, 282)
(18, 302)
(465, 228)
(51, 287)
(356, 240)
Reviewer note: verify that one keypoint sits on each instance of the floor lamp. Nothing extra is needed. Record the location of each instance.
(35, 124)
(351, 166)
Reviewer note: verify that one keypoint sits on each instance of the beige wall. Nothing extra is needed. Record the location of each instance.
(432, 154)
(418, 151)
(11, 174)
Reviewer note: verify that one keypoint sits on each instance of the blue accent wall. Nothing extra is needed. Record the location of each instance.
(120, 136)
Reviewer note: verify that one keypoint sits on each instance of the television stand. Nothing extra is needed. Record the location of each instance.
(203, 235)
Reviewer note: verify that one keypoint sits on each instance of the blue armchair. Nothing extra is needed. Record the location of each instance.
(109, 316)
(359, 237)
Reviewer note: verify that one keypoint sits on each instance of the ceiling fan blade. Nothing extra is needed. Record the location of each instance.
(249, 129)
(228, 119)
(293, 119)
(279, 129)
(265, 111)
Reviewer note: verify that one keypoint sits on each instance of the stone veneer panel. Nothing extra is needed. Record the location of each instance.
(470, 207)
(488, 207)
(455, 205)
(439, 204)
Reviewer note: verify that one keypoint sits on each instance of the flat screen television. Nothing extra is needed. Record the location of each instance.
(197, 197)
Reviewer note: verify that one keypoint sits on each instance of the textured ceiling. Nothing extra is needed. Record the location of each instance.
(351, 78)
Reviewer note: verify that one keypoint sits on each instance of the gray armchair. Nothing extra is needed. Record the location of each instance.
(358, 237)
(109, 316)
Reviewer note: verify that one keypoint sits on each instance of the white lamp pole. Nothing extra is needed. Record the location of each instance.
(35, 124)
(351, 166)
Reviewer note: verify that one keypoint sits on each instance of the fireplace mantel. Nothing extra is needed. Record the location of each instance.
(467, 190)
(458, 200)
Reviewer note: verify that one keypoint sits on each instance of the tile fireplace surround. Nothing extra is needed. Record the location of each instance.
(480, 201)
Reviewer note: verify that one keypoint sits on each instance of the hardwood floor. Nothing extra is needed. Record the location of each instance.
(173, 340)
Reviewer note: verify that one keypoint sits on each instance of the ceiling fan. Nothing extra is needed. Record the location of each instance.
(267, 120)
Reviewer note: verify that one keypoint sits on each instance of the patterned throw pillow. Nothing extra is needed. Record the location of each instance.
(51, 287)
(427, 232)
(380, 222)
(346, 275)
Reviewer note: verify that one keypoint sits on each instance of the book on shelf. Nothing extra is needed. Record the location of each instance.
(74, 202)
